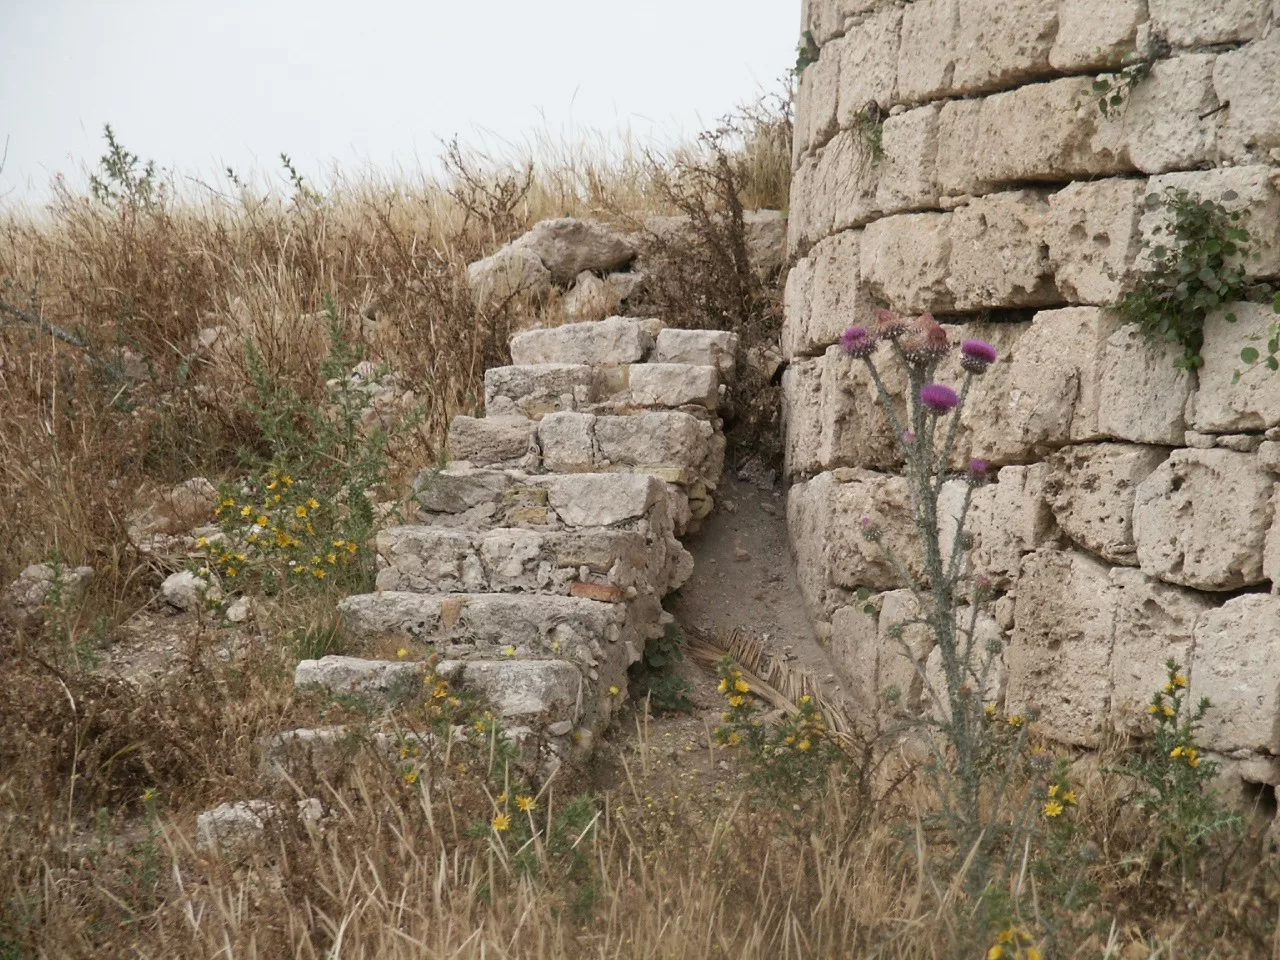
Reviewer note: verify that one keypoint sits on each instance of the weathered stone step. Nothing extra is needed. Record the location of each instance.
(536, 390)
(678, 447)
(601, 564)
(326, 753)
(474, 498)
(717, 348)
(544, 693)
(612, 341)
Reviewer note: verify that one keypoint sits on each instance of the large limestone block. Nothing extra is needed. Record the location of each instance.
(905, 261)
(1003, 44)
(817, 102)
(1170, 121)
(487, 622)
(825, 518)
(458, 489)
(508, 274)
(1007, 520)
(1248, 80)
(835, 299)
(797, 310)
(905, 174)
(567, 247)
(1255, 192)
(827, 19)
(615, 340)
(855, 429)
(999, 257)
(1144, 391)
(810, 219)
(927, 54)
(1060, 657)
(802, 417)
(674, 385)
(1200, 519)
(1059, 137)
(1154, 623)
(1221, 405)
(1091, 489)
(1093, 238)
(716, 348)
(659, 440)
(853, 644)
(845, 177)
(1237, 666)
(380, 680)
(1049, 387)
(1189, 23)
(868, 64)
(1096, 34)
(538, 389)
(491, 440)
(601, 500)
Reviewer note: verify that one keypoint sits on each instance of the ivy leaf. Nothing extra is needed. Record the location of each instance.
(1249, 355)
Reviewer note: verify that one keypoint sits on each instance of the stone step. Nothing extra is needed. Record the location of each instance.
(602, 564)
(536, 390)
(327, 753)
(716, 348)
(547, 694)
(476, 498)
(612, 341)
(495, 441)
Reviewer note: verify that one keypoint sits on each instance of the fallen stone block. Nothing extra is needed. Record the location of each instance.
(568, 246)
(546, 691)
(612, 341)
(382, 681)
(39, 587)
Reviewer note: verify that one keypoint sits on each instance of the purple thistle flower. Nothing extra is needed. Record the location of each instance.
(938, 398)
(857, 343)
(977, 472)
(977, 355)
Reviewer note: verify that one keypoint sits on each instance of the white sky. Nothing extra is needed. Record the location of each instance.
(202, 86)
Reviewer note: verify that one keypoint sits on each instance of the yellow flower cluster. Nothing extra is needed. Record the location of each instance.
(1014, 943)
(1058, 798)
(275, 524)
(1190, 754)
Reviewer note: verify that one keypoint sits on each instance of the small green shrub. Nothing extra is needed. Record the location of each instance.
(1114, 90)
(1177, 778)
(1196, 267)
(668, 692)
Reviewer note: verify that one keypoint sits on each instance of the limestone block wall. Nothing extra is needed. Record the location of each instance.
(1134, 514)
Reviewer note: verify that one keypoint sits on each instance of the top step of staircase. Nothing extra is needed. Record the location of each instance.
(624, 340)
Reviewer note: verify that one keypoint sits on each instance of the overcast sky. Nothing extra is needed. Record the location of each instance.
(202, 86)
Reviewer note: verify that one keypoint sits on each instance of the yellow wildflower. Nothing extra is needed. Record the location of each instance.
(318, 573)
(287, 480)
(1168, 710)
(1176, 752)
(1069, 798)
(339, 544)
(614, 691)
(501, 822)
(803, 745)
(300, 513)
(510, 651)
(724, 686)
(990, 711)
(411, 777)
(277, 498)
(737, 700)
(262, 521)
(231, 571)
(402, 652)
(1193, 762)
(806, 700)
(1053, 791)
(273, 484)
(202, 542)
(1017, 720)
(1153, 709)
(735, 738)
(995, 953)
(790, 740)
(1180, 681)
(352, 547)
(526, 804)
(1008, 935)
(246, 511)
(742, 686)
(455, 702)
(502, 798)
(480, 726)
(332, 558)
(313, 503)
(1053, 809)
(1032, 953)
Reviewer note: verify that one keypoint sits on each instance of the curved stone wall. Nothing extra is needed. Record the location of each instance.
(1134, 515)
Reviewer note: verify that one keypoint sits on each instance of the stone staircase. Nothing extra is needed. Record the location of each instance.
(544, 549)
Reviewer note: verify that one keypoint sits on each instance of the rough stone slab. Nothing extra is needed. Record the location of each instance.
(602, 500)
(1046, 392)
(1144, 392)
(1003, 43)
(817, 102)
(855, 430)
(492, 622)
(853, 646)
(905, 261)
(568, 246)
(1094, 238)
(436, 560)
(458, 489)
(1237, 666)
(1249, 80)
(810, 220)
(656, 439)
(321, 752)
(998, 255)
(1154, 623)
(611, 341)
(547, 690)
(1060, 658)
(1007, 520)
(1188, 23)
(1096, 34)
(23, 601)
(508, 274)
(352, 676)
(1220, 405)
(825, 517)
(535, 390)
(797, 310)
(675, 385)
(1170, 121)
(493, 440)
(902, 650)
(927, 54)
(233, 828)
(1200, 519)
(1255, 189)
(716, 348)
(827, 19)
(868, 65)
(802, 421)
(568, 443)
